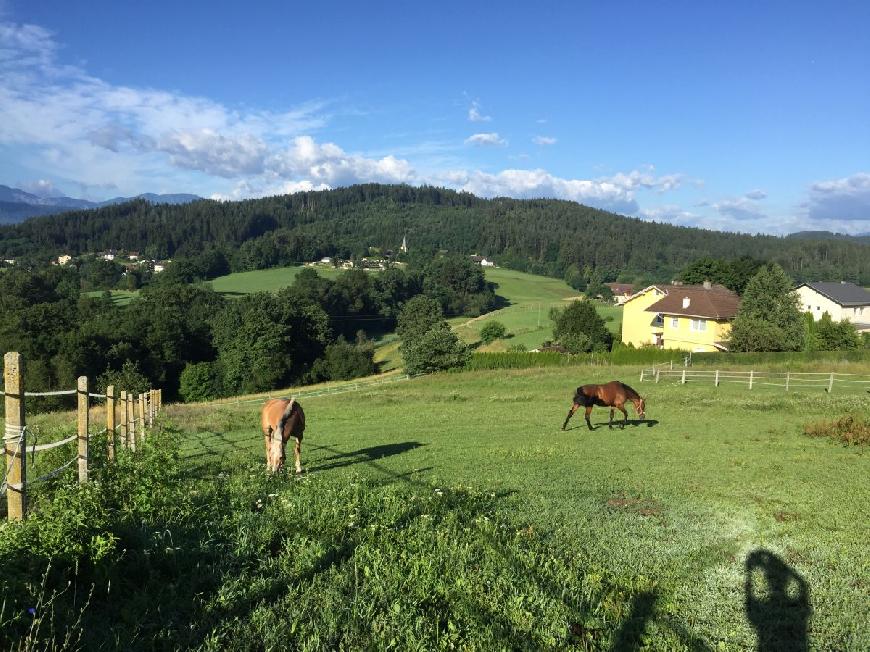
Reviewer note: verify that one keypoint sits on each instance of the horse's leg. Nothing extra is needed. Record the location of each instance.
(610, 425)
(570, 414)
(297, 449)
(588, 412)
(267, 440)
(624, 416)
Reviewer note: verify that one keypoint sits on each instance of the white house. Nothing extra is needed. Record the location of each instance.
(63, 260)
(840, 300)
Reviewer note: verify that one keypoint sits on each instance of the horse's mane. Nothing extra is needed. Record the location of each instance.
(629, 392)
(286, 415)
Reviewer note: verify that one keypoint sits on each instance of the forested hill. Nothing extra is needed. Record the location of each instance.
(541, 236)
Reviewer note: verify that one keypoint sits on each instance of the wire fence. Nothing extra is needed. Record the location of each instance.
(137, 414)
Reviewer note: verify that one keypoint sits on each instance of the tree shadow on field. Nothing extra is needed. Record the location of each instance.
(364, 455)
(777, 603)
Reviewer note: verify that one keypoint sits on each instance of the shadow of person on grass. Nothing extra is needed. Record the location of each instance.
(777, 603)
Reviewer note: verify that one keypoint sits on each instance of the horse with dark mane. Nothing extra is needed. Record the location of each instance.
(282, 418)
(613, 395)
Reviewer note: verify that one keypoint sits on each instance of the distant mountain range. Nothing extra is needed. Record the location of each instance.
(17, 205)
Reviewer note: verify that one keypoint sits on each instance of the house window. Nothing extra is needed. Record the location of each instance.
(675, 323)
(699, 324)
(658, 321)
(818, 307)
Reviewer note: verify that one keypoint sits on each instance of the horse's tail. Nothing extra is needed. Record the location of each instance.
(286, 415)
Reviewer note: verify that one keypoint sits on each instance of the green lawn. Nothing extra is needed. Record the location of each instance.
(676, 509)
(119, 297)
(264, 280)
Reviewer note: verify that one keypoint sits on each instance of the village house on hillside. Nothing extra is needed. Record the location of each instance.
(841, 300)
(481, 260)
(689, 317)
(621, 292)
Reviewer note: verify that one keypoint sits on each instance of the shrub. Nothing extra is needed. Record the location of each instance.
(849, 429)
(492, 331)
(437, 350)
(579, 328)
(200, 382)
(344, 361)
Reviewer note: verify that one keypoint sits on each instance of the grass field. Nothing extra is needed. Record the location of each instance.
(452, 512)
(530, 298)
(119, 297)
(264, 280)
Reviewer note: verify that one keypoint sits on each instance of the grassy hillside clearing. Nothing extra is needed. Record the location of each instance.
(450, 511)
(264, 280)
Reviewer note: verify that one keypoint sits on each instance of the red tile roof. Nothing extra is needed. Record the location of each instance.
(717, 302)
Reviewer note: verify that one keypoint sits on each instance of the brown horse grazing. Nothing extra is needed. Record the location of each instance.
(282, 418)
(612, 394)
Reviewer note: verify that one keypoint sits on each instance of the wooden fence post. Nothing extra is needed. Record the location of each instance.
(683, 379)
(125, 436)
(141, 403)
(110, 420)
(150, 408)
(83, 428)
(716, 382)
(131, 421)
(787, 379)
(641, 375)
(14, 440)
(831, 383)
(751, 378)
(657, 375)
(672, 365)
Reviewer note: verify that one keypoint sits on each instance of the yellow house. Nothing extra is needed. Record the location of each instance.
(687, 317)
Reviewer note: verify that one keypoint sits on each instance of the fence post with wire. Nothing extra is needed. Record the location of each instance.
(15, 439)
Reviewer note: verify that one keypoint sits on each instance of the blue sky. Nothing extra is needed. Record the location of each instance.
(750, 116)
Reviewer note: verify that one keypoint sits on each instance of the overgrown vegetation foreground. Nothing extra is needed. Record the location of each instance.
(451, 512)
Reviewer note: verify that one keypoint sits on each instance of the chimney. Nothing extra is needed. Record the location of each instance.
(707, 285)
(686, 302)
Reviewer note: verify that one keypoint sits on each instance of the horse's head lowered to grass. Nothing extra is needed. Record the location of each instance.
(281, 419)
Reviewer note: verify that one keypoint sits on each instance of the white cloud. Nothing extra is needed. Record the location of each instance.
(845, 200)
(329, 164)
(490, 138)
(84, 128)
(739, 209)
(544, 140)
(756, 195)
(615, 193)
(474, 114)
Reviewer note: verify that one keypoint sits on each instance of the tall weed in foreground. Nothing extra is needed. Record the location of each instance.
(849, 429)
(147, 556)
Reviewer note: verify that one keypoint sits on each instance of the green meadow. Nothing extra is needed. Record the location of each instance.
(526, 316)
(451, 512)
(264, 280)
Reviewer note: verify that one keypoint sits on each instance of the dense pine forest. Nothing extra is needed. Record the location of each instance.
(540, 236)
